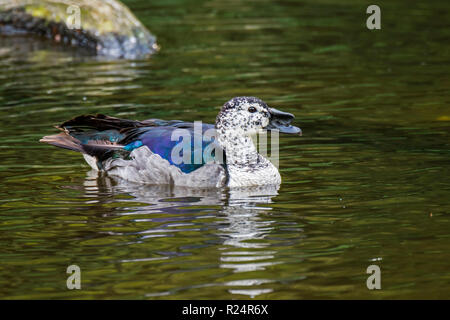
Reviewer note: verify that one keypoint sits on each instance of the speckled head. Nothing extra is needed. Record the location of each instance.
(247, 115)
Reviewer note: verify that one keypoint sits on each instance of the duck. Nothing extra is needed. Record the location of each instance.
(175, 152)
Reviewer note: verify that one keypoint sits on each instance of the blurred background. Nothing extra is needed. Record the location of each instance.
(367, 183)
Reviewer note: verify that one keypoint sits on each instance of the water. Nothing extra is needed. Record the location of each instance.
(368, 183)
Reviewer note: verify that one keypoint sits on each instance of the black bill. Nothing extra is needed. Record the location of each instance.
(281, 121)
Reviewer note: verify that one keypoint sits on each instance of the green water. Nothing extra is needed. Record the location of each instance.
(368, 183)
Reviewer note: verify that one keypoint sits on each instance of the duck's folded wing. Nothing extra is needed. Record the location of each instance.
(100, 149)
(105, 137)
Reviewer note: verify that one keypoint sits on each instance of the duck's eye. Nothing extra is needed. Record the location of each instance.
(252, 109)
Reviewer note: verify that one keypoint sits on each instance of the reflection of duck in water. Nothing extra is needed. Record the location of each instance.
(152, 152)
